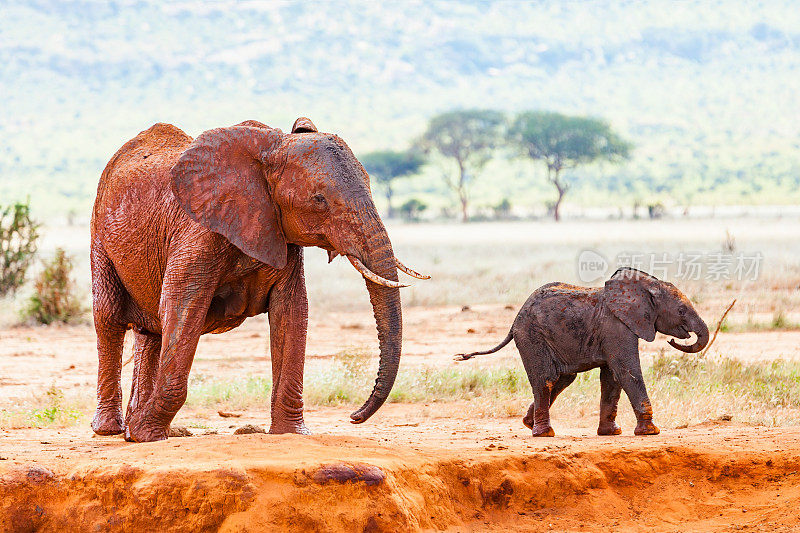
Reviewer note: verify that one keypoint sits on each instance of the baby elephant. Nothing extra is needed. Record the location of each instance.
(563, 329)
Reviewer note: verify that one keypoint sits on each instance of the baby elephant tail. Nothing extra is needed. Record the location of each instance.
(465, 356)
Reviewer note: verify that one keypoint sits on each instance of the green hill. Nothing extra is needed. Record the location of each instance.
(707, 93)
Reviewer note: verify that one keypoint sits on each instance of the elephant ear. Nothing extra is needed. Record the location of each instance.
(628, 295)
(220, 181)
(303, 125)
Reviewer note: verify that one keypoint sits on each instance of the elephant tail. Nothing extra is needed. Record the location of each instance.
(465, 356)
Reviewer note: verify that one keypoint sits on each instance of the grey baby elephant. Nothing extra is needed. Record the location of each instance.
(564, 329)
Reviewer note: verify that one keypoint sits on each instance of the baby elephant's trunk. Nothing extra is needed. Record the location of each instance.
(701, 330)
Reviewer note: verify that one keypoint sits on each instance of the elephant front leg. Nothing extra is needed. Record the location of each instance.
(288, 322)
(628, 373)
(146, 350)
(185, 299)
(609, 398)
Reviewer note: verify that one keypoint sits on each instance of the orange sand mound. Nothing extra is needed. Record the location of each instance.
(705, 478)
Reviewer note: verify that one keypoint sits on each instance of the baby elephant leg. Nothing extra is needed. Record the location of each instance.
(562, 383)
(609, 398)
(628, 373)
(538, 365)
(538, 417)
(530, 419)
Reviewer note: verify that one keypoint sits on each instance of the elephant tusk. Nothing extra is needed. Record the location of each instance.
(372, 276)
(412, 273)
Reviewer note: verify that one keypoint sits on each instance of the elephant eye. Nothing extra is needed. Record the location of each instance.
(319, 201)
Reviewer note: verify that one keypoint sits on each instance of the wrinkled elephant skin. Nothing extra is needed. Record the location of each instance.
(193, 236)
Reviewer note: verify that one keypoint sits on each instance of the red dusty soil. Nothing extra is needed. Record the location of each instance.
(405, 477)
(411, 467)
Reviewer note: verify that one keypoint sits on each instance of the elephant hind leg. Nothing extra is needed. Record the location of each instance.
(561, 383)
(538, 362)
(540, 426)
(109, 298)
(528, 419)
(146, 351)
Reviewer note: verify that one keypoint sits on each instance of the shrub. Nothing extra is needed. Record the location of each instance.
(54, 299)
(779, 320)
(18, 241)
(412, 209)
(656, 211)
(503, 210)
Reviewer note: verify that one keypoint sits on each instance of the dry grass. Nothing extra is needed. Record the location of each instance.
(685, 390)
(48, 408)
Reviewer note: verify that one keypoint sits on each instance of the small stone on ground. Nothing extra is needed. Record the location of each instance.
(179, 431)
(249, 428)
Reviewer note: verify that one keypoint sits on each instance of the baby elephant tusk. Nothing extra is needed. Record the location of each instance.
(372, 276)
(412, 273)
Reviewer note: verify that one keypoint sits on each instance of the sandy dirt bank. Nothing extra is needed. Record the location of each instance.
(436, 475)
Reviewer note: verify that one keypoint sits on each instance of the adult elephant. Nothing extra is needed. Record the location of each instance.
(192, 237)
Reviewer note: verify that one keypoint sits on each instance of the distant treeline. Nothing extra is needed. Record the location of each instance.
(470, 138)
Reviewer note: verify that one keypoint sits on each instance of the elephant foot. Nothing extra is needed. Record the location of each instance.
(145, 435)
(646, 427)
(137, 431)
(543, 431)
(528, 421)
(609, 428)
(279, 428)
(108, 422)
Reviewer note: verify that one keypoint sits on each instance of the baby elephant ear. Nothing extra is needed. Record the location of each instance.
(628, 297)
(221, 183)
(304, 125)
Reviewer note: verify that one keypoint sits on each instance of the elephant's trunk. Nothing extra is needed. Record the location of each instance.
(388, 318)
(701, 330)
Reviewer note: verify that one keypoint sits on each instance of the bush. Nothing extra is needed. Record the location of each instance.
(412, 209)
(656, 211)
(503, 210)
(18, 241)
(54, 299)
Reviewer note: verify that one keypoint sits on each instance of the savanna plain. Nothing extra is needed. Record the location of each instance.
(449, 451)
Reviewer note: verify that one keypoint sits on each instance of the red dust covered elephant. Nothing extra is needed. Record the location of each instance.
(193, 236)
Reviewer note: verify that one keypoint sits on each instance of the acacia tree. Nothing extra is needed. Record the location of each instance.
(467, 137)
(563, 142)
(386, 166)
